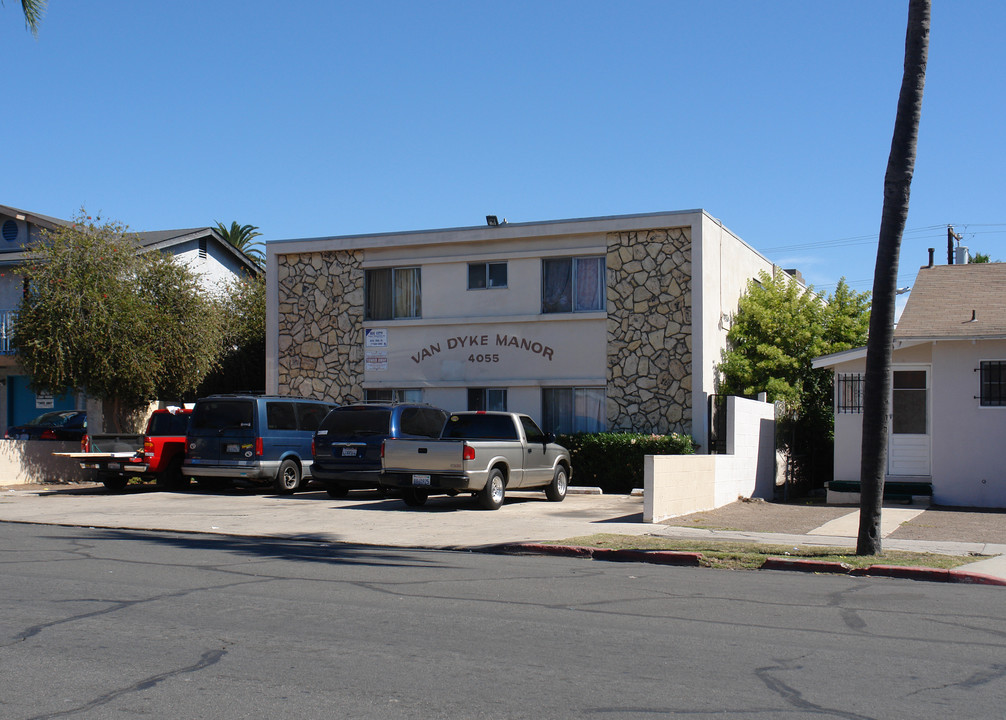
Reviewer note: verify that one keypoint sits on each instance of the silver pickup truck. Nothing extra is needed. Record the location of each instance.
(482, 453)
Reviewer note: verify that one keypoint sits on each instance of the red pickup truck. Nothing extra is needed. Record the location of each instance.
(157, 454)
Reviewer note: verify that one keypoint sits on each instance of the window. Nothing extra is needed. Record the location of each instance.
(848, 393)
(993, 383)
(422, 421)
(908, 402)
(487, 399)
(532, 432)
(280, 416)
(310, 415)
(414, 395)
(486, 275)
(573, 285)
(392, 293)
(573, 410)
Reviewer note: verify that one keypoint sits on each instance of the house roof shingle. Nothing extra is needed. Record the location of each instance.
(945, 298)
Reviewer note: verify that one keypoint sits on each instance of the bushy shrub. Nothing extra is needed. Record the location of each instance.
(614, 461)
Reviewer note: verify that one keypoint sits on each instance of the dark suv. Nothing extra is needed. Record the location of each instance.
(259, 438)
(347, 446)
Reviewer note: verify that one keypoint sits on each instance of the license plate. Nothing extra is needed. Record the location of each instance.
(114, 466)
(420, 479)
(232, 449)
(349, 452)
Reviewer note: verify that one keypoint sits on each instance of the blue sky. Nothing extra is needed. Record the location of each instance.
(313, 118)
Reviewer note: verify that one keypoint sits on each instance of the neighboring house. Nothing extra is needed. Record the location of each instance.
(611, 323)
(948, 393)
(202, 248)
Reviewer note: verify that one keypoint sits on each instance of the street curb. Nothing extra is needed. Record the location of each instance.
(802, 565)
(694, 559)
(655, 557)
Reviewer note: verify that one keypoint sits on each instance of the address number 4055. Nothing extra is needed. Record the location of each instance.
(487, 358)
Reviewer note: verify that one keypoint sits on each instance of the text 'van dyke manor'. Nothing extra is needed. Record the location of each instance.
(482, 341)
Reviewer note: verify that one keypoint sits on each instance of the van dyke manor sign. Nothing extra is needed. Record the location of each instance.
(480, 346)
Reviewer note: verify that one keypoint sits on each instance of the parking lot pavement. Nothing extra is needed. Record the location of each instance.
(367, 518)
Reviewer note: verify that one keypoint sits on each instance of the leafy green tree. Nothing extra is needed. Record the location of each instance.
(981, 258)
(101, 316)
(241, 366)
(33, 11)
(894, 216)
(243, 238)
(778, 330)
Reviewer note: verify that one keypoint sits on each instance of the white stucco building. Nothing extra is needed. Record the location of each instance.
(610, 323)
(203, 249)
(948, 404)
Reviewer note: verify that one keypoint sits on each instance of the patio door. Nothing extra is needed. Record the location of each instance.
(908, 449)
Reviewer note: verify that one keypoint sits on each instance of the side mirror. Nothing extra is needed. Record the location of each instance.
(549, 438)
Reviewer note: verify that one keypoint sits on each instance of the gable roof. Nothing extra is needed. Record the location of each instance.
(956, 302)
(160, 240)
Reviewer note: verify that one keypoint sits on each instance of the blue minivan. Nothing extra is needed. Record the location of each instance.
(263, 439)
(347, 445)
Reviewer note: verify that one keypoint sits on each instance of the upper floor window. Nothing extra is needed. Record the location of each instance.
(392, 293)
(486, 275)
(574, 284)
(993, 383)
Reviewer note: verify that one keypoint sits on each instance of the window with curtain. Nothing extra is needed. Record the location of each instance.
(487, 399)
(566, 410)
(573, 285)
(392, 293)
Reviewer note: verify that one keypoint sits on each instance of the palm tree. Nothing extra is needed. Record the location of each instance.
(241, 237)
(897, 188)
(33, 11)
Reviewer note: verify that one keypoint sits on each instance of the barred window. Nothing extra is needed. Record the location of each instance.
(848, 393)
(993, 383)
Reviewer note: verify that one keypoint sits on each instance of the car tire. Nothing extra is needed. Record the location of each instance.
(113, 483)
(491, 496)
(415, 498)
(171, 478)
(337, 491)
(287, 478)
(555, 491)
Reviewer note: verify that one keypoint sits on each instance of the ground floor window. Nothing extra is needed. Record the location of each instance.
(848, 393)
(993, 383)
(409, 395)
(487, 399)
(567, 410)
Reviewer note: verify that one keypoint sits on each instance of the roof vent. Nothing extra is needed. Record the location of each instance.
(9, 231)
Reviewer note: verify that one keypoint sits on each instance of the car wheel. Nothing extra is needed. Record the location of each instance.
(415, 498)
(114, 483)
(491, 496)
(556, 490)
(288, 478)
(337, 491)
(171, 478)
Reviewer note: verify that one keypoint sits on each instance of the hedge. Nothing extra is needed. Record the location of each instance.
(614, 461)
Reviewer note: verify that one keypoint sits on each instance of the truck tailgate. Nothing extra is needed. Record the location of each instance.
(431, 456)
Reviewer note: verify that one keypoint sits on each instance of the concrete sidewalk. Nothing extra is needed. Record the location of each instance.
(458, 523)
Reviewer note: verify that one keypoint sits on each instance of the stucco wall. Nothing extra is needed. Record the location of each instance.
(968, 468)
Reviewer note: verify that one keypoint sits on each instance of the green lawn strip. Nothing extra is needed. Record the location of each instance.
(750, 556)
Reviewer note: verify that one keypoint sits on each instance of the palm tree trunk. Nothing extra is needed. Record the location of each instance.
(897, 188)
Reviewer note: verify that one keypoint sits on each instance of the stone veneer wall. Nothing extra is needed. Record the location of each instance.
(650, 331)
(321, 325)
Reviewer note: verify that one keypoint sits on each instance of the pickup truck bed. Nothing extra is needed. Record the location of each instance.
(481, 453)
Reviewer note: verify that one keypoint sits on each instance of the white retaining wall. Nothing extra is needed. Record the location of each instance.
(681, 484)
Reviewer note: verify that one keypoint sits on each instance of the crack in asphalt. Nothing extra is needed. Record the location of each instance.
(975, 680)
(794, 697)
(207, 659)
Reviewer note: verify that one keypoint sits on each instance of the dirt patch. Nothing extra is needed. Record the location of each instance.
(761, 516)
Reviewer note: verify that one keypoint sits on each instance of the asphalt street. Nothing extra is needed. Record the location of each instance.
(102, 623)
